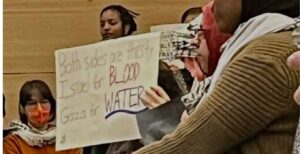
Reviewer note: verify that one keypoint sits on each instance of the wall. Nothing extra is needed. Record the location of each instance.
(34, 29)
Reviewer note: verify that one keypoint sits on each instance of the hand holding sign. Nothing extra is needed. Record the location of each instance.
(154, 96)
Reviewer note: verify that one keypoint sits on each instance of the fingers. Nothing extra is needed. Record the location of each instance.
(174, 68)
(297, 96)
(147, 100)
(154, 96)
(294, 60)
(161, 92)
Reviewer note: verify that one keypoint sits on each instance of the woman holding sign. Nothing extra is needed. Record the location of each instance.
(35, 131)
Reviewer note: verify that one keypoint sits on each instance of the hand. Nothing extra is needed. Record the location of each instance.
(294, 62)
(174, 68)
(154, 97)
(184, 116)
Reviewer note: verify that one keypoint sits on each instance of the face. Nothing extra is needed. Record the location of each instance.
(198, 66)
(227, 14)
(111, 25)
(37, 110)
(203, 53)
(190, 17)
(192, 65)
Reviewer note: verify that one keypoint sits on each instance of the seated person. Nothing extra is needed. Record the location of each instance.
(249, 106)
(35, 132)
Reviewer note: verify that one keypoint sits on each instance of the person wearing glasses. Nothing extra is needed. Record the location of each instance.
(34, 133)
(200, 59)
(249, 106)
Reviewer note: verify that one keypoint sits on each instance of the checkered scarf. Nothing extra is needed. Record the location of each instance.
(33, 137)
(183, 41)
(184, 48)
(197, 93)
(178, 43)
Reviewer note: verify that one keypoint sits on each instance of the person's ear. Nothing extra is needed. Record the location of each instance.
(126, 29)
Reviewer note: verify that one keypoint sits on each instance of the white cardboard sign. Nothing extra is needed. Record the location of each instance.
(98, 89)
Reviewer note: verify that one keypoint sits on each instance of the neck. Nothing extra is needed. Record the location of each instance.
(44, 127)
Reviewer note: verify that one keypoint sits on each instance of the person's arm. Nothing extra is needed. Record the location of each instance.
(10, 145)
(255, 89)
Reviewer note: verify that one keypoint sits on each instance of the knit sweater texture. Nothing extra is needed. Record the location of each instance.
(251, 109)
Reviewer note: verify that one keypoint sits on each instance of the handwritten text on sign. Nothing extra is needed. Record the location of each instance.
(99, 88)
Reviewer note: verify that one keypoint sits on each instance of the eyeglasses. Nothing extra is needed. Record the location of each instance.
(198, 33)
(198, 30)
(33, 104)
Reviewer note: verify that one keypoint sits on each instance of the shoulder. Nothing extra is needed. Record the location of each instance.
(275, 46)
(12, 144)
(263, 62)
(268, 53)
(11, 138)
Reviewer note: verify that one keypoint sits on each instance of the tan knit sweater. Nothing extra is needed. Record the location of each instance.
(251, 110)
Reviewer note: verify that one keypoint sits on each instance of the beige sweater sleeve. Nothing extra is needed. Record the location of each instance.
(254, 90)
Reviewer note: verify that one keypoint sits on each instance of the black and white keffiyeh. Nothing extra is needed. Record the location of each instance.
(183, 41)
(197, 93)
(178, 43)
(33, 137)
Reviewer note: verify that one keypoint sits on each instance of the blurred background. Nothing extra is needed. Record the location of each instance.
(34, 29)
